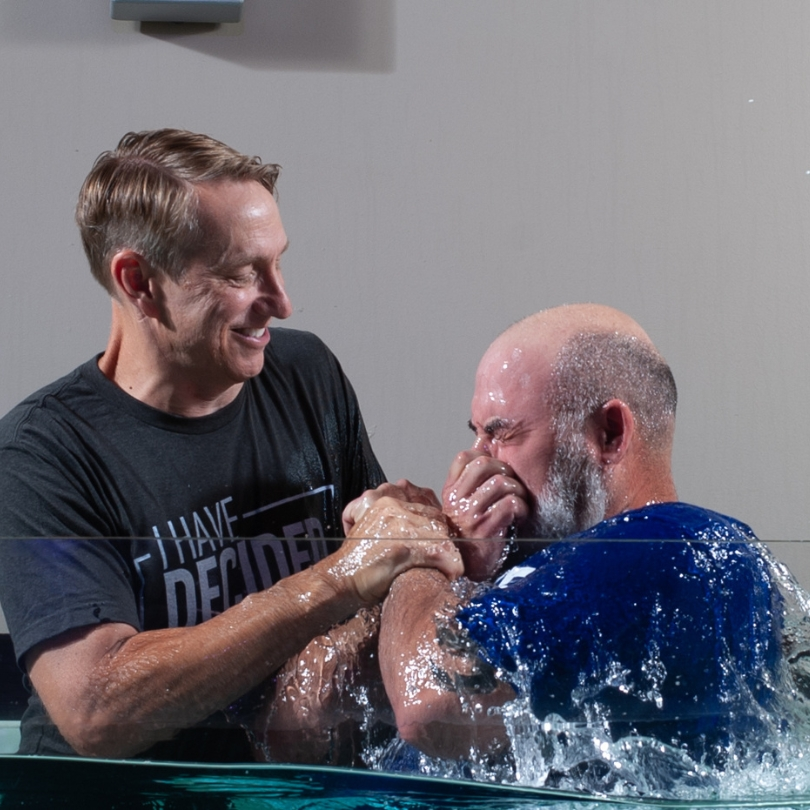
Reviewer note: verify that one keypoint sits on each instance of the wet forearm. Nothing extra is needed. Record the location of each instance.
(440, 691)
(155, 683)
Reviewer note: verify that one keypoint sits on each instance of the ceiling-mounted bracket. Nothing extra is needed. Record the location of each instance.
(189, 11)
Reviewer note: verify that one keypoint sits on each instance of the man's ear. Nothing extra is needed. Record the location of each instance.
(134, 281)
(611, 429)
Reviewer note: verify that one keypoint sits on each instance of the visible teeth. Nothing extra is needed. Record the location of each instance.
(256, 333)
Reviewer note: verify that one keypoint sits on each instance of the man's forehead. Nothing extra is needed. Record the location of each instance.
(510, 385)
(511, 397)
(244, 203)
(510, 368)
(242, 221)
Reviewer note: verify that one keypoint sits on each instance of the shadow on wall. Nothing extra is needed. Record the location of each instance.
(334, 35)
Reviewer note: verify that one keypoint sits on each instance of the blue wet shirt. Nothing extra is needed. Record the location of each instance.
(663, 621)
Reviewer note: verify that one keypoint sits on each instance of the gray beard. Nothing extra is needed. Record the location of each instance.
(574, 496)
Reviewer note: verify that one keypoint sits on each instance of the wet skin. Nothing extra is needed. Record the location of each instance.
(490, 488)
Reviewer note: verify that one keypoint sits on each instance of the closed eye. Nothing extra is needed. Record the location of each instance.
(241, 277)
(243, 268)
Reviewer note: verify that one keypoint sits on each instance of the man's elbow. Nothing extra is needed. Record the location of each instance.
(102, 738)
(436, 739)
(442, 728)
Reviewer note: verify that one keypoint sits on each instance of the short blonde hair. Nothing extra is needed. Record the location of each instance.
(143, 196)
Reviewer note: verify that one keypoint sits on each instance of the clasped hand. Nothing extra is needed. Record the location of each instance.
(389, 530)
(483, 501)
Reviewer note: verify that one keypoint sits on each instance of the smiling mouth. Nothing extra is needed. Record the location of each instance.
(252, 333)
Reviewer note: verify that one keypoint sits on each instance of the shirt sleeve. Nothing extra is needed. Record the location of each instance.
(50, 586)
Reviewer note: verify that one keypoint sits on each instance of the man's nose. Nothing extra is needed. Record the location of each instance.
(483, 445)
(273, 294)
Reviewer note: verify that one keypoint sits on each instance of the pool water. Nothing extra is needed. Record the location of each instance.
(74, 784)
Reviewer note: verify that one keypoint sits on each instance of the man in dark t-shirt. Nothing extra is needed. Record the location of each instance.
(167, 505)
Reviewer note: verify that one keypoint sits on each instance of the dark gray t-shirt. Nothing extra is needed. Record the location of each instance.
(166, 521)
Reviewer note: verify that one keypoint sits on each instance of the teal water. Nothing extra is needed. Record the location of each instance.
(51, 782)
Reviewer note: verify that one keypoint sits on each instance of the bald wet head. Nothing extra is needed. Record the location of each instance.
(574, 358)
(537, 389)
(541, 336)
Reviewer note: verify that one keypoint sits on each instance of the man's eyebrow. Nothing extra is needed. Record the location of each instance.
(492, 426)
(496, 424)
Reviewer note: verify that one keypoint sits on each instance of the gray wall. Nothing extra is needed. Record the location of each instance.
(449, 167)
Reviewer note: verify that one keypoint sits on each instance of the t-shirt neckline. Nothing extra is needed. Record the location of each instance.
(155, 417)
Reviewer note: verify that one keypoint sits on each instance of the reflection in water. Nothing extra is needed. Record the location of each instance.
(40, 783)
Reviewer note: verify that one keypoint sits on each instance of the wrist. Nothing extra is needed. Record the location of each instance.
(332, 578)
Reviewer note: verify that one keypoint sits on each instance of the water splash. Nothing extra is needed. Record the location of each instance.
(762, 754)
